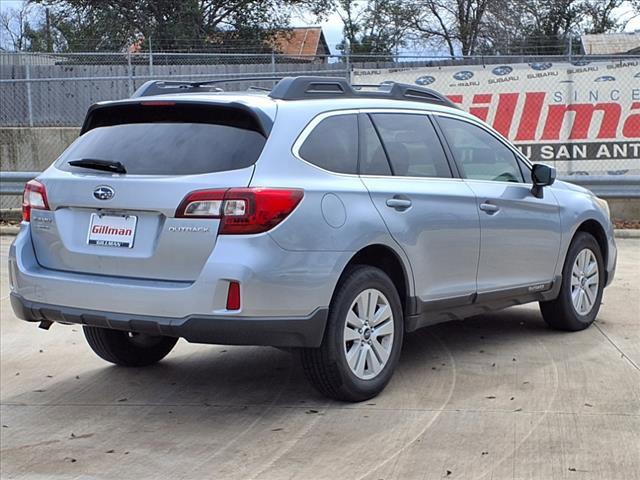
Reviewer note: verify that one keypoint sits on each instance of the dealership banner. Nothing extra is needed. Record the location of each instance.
(583, 117)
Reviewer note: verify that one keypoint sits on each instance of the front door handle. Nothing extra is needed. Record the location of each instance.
(490, 208)
(399, 203)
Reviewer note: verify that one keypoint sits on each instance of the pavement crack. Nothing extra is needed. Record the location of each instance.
(624, 355)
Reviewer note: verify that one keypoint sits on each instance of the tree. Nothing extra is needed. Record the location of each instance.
(456, 23)
(373, 27)
(172, 25)
(14, 27)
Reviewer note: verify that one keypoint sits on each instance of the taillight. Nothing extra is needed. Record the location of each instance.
(241, 210)
(34, 196)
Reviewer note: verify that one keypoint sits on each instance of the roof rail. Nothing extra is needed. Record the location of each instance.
(163, 87)
(302, 88)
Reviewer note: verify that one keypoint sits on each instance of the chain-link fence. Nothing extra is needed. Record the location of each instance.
(581, 114)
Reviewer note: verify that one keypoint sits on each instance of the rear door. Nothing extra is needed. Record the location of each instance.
(432, 215)
(520, 234)
(124, 224)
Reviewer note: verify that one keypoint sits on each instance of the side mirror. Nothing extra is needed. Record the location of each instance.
(542, 176)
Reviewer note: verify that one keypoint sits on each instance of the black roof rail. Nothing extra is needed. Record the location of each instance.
(303, 88)
(163, 87)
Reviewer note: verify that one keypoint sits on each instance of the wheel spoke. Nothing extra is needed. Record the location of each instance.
(581, 260)
(581, 301)
(575, 296)
(383, 329)
(351, 334)
(353, 354)
(381, 352)
(374, 364)
(360, 362)
(590, 296)
(362, 305)
(592, 268)
(372, 304)
(353, 320)
(383, 313)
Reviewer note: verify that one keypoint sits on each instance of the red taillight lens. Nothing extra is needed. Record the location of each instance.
(233, 296)
(241, 210)
(34, 196)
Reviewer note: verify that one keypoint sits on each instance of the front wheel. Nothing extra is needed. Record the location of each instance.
(579, 299)
(128, 349)
(362, 340)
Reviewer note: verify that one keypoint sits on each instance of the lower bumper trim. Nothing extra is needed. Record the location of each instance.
(274, 331)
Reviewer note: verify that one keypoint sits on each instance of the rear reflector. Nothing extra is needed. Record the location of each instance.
(241, 210)
(34, 197)
(233, 296)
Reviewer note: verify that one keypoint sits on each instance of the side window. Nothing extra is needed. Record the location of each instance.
(412, 145)
(333, 144)
(373, 160)
(480, 155)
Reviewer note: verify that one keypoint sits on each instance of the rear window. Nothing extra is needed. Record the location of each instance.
(177, 140)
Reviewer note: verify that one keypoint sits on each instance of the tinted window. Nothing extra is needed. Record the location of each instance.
(412, 145)
(333, 144)
(168, 148)
(480, 155)
(373, 160)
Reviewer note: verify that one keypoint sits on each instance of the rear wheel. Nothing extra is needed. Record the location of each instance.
(128, 349)
(362, 340)
(579, 300)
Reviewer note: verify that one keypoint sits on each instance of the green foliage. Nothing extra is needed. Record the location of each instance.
(184, 25)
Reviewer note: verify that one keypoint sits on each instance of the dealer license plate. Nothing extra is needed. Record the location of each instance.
(112, 230)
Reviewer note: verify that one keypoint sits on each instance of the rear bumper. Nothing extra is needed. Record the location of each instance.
(275, 331)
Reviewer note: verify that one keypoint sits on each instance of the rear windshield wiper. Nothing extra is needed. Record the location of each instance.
(95, 164)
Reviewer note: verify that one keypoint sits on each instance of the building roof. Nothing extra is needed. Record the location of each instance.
(611, 43)
(300, 42)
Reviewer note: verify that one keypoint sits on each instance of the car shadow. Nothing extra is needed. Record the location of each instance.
(263, 376)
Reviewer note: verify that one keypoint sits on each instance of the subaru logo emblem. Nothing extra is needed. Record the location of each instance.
(425, 80)
(502, 70)
(464, 75)
(103, 192)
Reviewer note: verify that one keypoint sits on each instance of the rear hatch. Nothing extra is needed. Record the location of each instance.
(124, 224)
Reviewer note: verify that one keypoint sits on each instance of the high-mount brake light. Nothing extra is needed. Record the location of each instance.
(34, 197)
(157, 103)
(241, 210)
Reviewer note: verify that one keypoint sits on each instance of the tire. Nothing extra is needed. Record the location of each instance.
(563, 313)
(328, 367)
(128, 349)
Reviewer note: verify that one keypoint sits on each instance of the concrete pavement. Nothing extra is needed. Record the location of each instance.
(495, 397)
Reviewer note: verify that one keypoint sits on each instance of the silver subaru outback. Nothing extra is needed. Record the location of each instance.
(321, 216)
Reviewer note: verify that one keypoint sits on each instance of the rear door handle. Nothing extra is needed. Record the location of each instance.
(490, 208)
(399, 203)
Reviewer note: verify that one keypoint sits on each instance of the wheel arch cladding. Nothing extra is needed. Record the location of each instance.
(594, 228)
(384, 258)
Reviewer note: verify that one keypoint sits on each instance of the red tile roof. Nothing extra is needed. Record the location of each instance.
(299, 42)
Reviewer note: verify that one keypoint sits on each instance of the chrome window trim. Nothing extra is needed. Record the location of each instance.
(306, 131)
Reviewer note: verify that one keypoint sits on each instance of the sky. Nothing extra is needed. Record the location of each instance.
(332, 26)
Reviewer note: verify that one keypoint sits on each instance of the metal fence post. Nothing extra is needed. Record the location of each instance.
(129, 73)
(273, 62)
(29, 100)
(150, 59)
(347, 51)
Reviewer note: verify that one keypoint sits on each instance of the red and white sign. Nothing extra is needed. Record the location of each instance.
(582, 116)
(112, 230)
